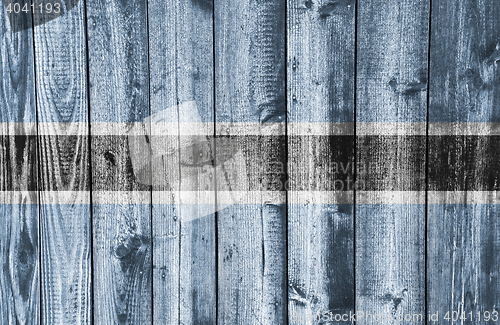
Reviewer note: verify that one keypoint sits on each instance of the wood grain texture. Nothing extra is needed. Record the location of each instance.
(61, 80)
(166, 231)
(463, 255)
(119, 92)
(250, 87)
(459, 167)
(19, 240)
(321, 89)
(391, 87)
(19, 278)
(17, 109)
(166, 260)
(184, 275)
(195, 82)
(463, 246)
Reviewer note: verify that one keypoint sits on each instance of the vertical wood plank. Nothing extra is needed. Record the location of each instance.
(182, 129)
(119, 96)
(194, 62)
(61, 80)
(250, 89)
(195, 92)
(391, 87)
(19, 301)
(463, 240)
(321, 92)
(19, 241)
(162, 17)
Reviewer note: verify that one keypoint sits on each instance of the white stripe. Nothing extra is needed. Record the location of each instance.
(390, 197)
(14, 128)
(464, 197)
(250, 128)
(390, 128)
(63, 129)
(464, 128)
(308, 128)
(156, 128)
(64, 197)
(226, 198)
(18, 197)
(121, 197)
(237, 128)
(320, 197)
(101, 128)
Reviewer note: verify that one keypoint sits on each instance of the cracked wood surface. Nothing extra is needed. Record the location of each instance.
(316, 66)
(391, 86)
(119, 92)
(250, 87)
(65, 229)
(321, 73)
(19, 239)
(463, 240)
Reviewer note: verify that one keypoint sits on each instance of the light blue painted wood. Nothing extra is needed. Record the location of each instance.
(391, 86)
(65, 263)
(462, 239)
(65, 242)
(122, 263)
(184, 247)
(320, 68)
(19, 257)
(320, 61)
(19, 239)
(321, 261)
(18, 87)
(463, 260)
(165, 218)
(119, 92)
(464, 53)
(390, 261)
(251, 263)
(250, 86)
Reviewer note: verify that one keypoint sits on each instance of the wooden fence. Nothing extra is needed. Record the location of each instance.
(250, 162)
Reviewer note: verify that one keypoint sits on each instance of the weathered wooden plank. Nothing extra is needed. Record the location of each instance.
(463, 261)
(460, 167)
(195, 95)
(19, 257)
(250, 87)
(321, 89)
(463, 252)
(162, 19)
(391, 87)
(19, 247)
(61, 81)
(181, 50)
(17, 108)
(119, 92)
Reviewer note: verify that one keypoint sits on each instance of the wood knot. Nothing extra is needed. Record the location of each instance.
(273, 110)
(396, 299)
(409, 88)
(131, 251)
(495, 56)
(333, 7)
(110, 157)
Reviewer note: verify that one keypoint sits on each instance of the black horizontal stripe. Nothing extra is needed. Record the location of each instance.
(384, 163)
